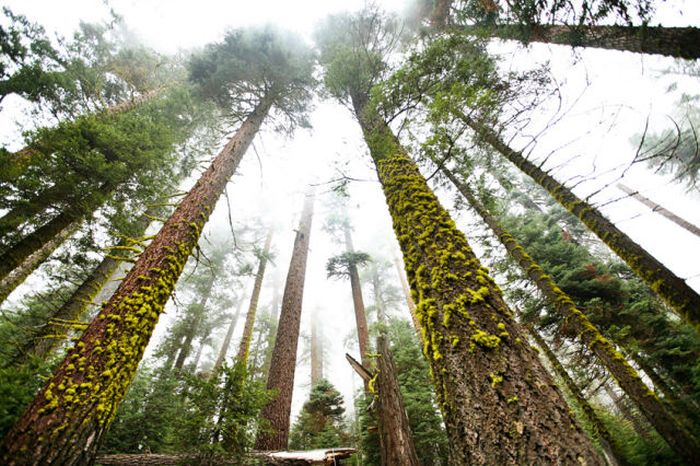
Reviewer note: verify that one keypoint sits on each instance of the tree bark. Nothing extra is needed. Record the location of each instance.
(682, 441)
(611, 448)
(499, 403)
(678, 42)
(227, 340)
(284, 354)
(673, 289)
(244, 348)
(67, 419)
(681, 222)
(196, 314)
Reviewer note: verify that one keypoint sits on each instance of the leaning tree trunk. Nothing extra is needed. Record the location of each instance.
(673, 289)
(244, 348)
(196, 313)
(499, 403)
(407, 294)
(68, 418)
(284, 354)
(681, 222)
(608, 443)
(626, 376)
(47, 338)
(223, 351)
(357, 302)
(679, 42)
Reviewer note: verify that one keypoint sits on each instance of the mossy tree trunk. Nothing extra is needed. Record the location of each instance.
(679, 42)
(607, 442)
(673, 289)
(244, 348)
(499, 403)
(69, 416)
(284, 354)
(675, 434)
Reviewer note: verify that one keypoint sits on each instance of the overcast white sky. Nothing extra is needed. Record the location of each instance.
(274, 183)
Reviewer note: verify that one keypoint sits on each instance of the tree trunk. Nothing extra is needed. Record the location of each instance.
(681, 222)
(67, 419)
(407, 293)
(499, 403)
(244, 348)
(48, 337)
(25, 257)
(227, 340)
(679, 42)
(358, 303)
(395, 438)
(673, 289)
(196, 312)
(610, 447)
(316, 354)
(626, 376)
(637, 423)
(27, 210)
(284, 354)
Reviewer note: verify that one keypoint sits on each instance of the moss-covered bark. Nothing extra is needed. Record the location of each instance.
(500, 405)
(679, 42)
(244, 348)
(673, 289)
(675, 434)
(68, 417)
(284, 354)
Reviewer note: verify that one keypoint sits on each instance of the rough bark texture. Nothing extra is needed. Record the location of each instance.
(395, 438)
(196, 311)
(681, 222)
(626, 376)
(679, 42)
(613, 453)
(284, 354)
(673, 289)
(499, 403)
(23, 258)
(357, 302)
(223, 351)
(244, 348)
(67, 419)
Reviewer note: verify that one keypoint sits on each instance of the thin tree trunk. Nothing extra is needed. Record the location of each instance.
(25, 257)
(27, 210)
(227, 340)
(68, 418)
(679, 42)
(316, 355)
(409, 300)
(48, 337)
(284, 354)
(627, 377)
(395, 438)
(610, 447)
(499, 403)
(244, 348)
(196, 313)
(681, 222)
(357, 302)
(200, 350)
(635, 421)
(673, 289)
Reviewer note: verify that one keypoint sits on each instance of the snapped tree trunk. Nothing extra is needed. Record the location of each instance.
(196, 313)
(679, 42)
(244, 348)
(673, 289)
(681, 222)
(227, 340)
(69, 416)
(675, 434)
(284, 354)
(499, 403)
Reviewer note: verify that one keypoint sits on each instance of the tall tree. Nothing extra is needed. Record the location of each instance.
(67, 419)
(475, 347)
(263, 255)
(284, 354)
(223, 351)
